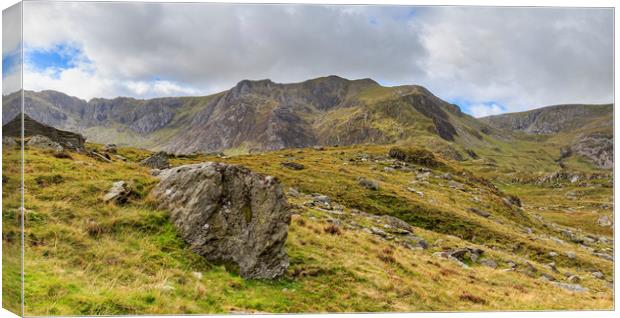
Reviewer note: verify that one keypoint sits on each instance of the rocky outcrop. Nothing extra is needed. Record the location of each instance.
(43, 142)
(66, 139)
(598, 147)
(158, 160)
(228, 214)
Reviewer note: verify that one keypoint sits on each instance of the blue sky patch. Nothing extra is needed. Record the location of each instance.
(10, 62)
(60, 57)
(468, 106)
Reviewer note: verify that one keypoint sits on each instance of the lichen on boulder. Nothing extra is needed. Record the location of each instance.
(228, 214)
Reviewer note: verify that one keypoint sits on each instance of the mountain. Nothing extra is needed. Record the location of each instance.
(551, 119)
(262, 115)
(586, 130)
(258, 115)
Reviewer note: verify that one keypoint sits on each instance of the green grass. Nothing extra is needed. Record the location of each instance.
(86, 257)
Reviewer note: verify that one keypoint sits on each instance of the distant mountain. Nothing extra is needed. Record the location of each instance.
(551, 119)
(258, 115)
(586, 130)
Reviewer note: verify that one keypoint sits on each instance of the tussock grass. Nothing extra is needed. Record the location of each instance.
(86, 257)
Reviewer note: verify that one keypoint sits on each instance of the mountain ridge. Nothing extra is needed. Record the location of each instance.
(256, 115)
(262, 115)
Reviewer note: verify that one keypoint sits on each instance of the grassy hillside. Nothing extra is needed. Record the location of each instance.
(85, 257)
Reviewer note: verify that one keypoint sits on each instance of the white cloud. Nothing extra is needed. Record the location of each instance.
(85, 83)
(519, 57)
(482, 110)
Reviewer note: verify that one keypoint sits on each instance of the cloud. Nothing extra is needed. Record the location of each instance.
(482, 110)
(518, 57)
(11, 49)
(523, 57)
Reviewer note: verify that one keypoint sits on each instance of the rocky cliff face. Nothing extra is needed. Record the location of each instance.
(585, 130)
(256, 116)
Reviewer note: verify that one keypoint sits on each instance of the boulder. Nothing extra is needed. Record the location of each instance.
(119, 193)
(484, 214)
(158, 160)
(229, 214)
(293, 165)
(369, 184)
(398, 224)
(42, 142)
(489, 263)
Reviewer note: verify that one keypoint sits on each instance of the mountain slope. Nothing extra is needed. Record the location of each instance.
(258, 115)
(550, 119)
(581, 130)
(87, 257)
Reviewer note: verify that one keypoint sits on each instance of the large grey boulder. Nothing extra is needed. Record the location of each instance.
(229, 214)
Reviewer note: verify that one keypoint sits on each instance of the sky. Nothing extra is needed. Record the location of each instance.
(488, 60)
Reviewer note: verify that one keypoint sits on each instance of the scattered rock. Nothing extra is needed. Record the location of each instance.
(511, 264)
(98, 156)
(604, 221)
(119, 193)
(417, 156)
(369, 184)
(489, 263)
(574, 279)
(158, 160)
(571, 287)
(293, 192)
(552, 267)
(598, 275)
(293, 165)
(604, 256)
(110, 148)
(376, 231)
(456, 185)
(42, 142)
(320, 201)
(398, 224)
(9, 142)
(229, 214)
(571, 255)
(423, 175)
(479, 212)
(420, 193)
(197, 275)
